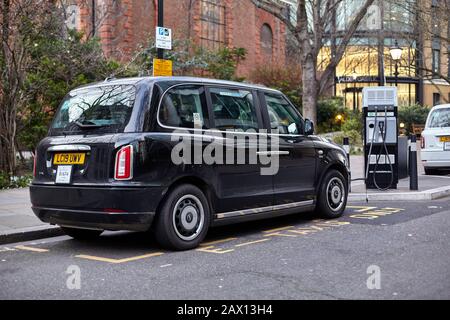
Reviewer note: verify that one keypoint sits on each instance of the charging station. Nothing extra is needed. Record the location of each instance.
(380, 112)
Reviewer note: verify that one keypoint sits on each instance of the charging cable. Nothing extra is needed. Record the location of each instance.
(382, 126)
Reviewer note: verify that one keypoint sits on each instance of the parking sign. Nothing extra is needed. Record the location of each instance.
(163, 38)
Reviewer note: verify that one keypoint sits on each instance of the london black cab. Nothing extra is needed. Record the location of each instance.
(118, 157)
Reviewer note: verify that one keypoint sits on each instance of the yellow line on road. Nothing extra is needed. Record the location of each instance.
(217, 241)
(361, 208)
(32, 249)
(251, 242)
(212, 249)
(278, 229)
(116, 261)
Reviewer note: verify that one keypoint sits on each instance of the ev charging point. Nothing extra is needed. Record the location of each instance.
(380, 112)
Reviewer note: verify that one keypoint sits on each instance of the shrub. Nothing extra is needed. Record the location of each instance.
(413, 114)
(355, 140)
(281, 78)
(15, 181)
(353, 121)
(327, 110)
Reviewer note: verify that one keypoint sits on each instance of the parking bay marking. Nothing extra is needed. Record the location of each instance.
(26, 248)
(375, 214)
(117, 261)
(361, 208)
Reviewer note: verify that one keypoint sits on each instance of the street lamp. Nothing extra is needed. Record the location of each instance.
(396, 55)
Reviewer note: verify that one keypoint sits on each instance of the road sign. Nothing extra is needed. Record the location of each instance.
(163, 38)
(162, 67)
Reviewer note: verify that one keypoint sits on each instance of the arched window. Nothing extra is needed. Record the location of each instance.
(266, 41)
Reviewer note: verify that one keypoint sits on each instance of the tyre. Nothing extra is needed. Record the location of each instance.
(82, 234)
(183, 219)
(332, 197)
(431, 172)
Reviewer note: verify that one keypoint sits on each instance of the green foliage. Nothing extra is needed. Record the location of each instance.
(187, 59)
(14, 182)
(413, 114)
(288, 81)
(352, 121)
(327, 110)
(58, 63)
(222, 64)
(355, 140)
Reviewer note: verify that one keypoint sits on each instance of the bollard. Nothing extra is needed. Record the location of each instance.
(413, 179)
(346, 145)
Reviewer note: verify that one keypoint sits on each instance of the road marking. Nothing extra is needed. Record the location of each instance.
(206, 244)
(165, 265)
(361, 208)
(278, 229)
(32, 249)
(117, 261)
(251, 242)
(375, 214)
(279, 234)
(5, 249)
(212, 249)
(303, 231)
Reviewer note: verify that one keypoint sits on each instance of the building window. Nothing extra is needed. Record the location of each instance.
(436, 99)
(436, 63)
(212, 24)
(266, 39)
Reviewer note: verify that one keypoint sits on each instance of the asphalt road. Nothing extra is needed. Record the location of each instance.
(405, 246)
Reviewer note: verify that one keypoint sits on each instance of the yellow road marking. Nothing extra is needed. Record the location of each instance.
(278, 234)
(361, 208)
(278, 229)
(217, 241)
(212, 249)
(32, 249)
(116, 261)
(375, 214)
(303, 231)
(251, 242)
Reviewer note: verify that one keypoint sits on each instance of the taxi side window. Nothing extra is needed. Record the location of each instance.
(233, 109)
(184, 107)
(284, 119)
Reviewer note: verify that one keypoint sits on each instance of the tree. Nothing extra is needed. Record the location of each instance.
(315, 26)
(17, 20)
(40, 61)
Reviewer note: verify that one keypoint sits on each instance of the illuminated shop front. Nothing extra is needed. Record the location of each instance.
(367, 60)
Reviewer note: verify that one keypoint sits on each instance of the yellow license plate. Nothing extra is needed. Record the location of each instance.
(445, 139)
(69, 158)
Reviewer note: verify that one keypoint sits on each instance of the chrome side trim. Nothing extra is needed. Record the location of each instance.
(70, 147)
(263, 209)
(272, 153)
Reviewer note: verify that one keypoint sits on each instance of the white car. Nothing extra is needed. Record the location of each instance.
(435, 143)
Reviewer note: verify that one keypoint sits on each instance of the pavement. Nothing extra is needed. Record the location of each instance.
(18, 222)
(381, 250)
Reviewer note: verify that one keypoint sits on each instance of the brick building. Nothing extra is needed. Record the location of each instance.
(124, 26)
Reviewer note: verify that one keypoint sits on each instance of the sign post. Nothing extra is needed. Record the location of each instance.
(163, 41)
(160, 24)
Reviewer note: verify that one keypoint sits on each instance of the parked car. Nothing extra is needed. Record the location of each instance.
(435, 143)
(108, 160)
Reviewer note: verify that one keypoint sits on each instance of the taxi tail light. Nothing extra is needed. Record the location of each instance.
(422, 142)
(124, 164)
(34, 163)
